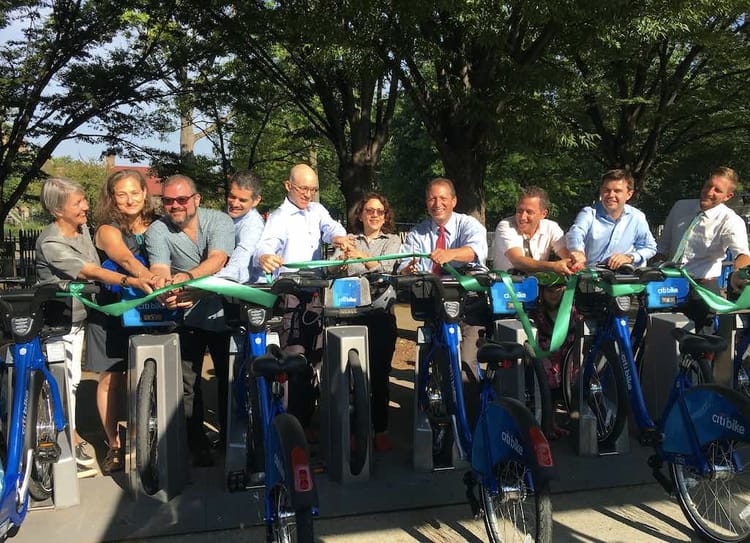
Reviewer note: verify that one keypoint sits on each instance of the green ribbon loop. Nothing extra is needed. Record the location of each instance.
(715, 301)
(467, 282)
(311, 264)
(209, 283)
(562, 322)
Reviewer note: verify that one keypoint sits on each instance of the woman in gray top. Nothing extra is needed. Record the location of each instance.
(372, 224)
(64, 251)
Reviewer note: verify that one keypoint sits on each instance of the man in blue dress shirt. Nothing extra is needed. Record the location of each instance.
(611, 231)
(464, 241)
(243, 199)
(293, 233)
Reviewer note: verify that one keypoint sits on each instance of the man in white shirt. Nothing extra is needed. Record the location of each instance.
(525, 241)
(293, 233)
(698, 233)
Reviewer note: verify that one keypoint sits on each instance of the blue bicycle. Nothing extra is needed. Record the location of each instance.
(702, 435)
(510, 457)
(31, 317)
(277, 453)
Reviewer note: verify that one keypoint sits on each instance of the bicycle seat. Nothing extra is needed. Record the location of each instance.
(698, 343)
(495, 352)
(270, 365)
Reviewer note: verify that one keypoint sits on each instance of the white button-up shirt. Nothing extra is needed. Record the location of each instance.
(548, 236)
(718, 229)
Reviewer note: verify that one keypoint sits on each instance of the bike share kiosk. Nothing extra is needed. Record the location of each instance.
(345, 425)
(66, 491)
(156, 444)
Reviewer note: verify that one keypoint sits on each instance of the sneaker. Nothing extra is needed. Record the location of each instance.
(113, 462)
(85, 471)
(83, 458)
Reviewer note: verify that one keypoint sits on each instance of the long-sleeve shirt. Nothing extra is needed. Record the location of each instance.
(599, 236)
(295, 234)
(460, 231)
(247, 232)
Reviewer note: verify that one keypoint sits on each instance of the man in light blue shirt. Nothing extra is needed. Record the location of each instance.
(243, 198)
(465, 242)
(611, 231)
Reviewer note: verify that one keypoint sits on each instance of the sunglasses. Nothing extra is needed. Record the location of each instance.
(181, 200)
(373, 211)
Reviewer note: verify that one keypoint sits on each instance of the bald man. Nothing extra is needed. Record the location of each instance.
(293, 233)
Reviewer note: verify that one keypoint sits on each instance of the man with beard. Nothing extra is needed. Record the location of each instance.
(186, 243)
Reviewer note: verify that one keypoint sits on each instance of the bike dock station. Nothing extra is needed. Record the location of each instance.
(171, 448)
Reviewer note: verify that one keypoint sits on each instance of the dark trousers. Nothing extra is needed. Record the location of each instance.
(193, 344)
(381, 332)
(698, 311)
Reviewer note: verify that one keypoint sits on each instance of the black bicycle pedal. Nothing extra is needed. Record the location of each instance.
(48, 451)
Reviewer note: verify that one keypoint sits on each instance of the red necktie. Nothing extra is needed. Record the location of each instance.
(437, 269)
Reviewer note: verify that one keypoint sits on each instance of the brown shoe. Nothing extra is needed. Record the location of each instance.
(113, 462)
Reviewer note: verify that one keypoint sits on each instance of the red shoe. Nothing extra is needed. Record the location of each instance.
(382, 442)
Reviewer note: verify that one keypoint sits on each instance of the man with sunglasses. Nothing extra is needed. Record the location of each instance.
(189, 242)
(293, 233)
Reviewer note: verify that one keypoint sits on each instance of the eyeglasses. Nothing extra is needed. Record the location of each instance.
(305, 190)
(374, 211)
(181, 200)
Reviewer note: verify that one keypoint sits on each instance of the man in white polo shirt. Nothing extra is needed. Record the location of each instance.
(525, 241)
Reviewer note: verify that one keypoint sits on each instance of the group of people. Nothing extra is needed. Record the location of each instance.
(189, 241)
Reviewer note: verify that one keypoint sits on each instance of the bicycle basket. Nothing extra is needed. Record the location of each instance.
(346, 295)
(592, 304)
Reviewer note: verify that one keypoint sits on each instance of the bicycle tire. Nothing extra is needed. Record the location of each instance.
(710, 503)
(147, 436)
(605, 394)
(40, 427)
(254, 449)
(436, 407)
(569, 380)
(538, 394)
(359, 413)
(517, 514)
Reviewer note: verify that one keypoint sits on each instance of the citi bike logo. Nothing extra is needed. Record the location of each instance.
(347, 300)
(730, 424)
(667, 290)
(512, 442)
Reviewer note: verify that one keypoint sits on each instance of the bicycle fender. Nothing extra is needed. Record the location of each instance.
(291, 461)
(717, 413)
(512, 433)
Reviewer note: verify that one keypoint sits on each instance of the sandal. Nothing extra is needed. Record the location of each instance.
(113, 462)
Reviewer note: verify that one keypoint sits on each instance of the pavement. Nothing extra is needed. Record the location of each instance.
(608, 498)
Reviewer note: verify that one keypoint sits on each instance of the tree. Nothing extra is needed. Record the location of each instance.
(469, 67)
(640, 82)
(317, 55)
(70, 65)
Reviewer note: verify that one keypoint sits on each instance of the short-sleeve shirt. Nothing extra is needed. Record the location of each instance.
(60, 258)
(460, 231)
(167, 244)
(548, 236)
(719, 229)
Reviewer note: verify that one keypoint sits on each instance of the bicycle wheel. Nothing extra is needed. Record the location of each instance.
(517, 513)
(147, 437)
(717, 504)
(41, 437)
(290, 525)
(436, 406)
(254, 451)
(569, 380)
(359, 413)
(604, 393)
(538, 395)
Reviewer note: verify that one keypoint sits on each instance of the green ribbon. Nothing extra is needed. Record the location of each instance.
(209, 283)
(713, 300)
(562, 322)
(310, 264)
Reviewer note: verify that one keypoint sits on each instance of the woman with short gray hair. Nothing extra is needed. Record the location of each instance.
(64, 251)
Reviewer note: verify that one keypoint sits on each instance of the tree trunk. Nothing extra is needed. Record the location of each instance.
(356, 180)
(466, 168)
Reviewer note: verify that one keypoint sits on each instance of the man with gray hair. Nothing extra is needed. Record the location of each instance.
(189, 242)
(526, 240)
(242, 200)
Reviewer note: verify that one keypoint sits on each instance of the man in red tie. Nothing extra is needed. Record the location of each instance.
(450, 237)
